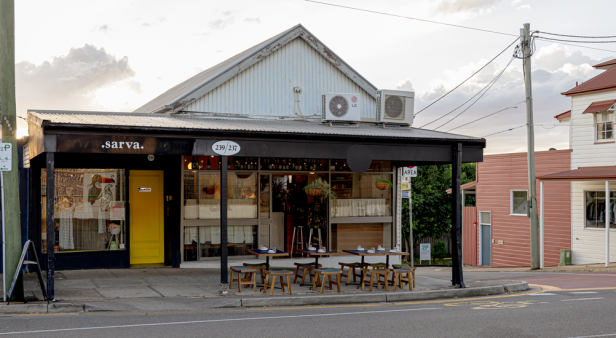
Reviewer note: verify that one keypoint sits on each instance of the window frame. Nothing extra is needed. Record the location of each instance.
(596, 124)
(511, 202)
(586, 227)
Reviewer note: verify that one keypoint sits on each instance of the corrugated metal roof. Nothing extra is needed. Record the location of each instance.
(563, 116)
(583, 174)
(606, 64)
(599, 106)
(180, 95)
(604, 80)
(200, 122)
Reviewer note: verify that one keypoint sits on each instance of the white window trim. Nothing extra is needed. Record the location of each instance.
(585, 213)
(594, 125)
(511, 202)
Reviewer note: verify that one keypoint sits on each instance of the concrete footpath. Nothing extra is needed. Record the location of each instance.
(168, 289)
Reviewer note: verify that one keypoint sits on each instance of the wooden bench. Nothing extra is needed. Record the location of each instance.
(274, 274)
(308, 268)
(247, 280)
(326, 273)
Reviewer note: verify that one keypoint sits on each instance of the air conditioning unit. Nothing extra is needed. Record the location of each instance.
(341, 107)
(395, 106)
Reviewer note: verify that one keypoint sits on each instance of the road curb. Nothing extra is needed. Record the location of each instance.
(41, 308)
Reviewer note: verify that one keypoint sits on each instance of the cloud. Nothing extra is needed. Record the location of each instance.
(104, 28)
(255, 20)
(555, 70)
(145, 24)
(72, 81)
(515, 2)
(405, 85)
(524, 7)
(460, 6)
(221, 24)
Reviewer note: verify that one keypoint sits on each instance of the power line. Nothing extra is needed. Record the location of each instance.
(577, 41)
(481, 118)
(479, 98)
(410, 18)
(577, 36)
(569, 44)
(504, 131)
(468, 78)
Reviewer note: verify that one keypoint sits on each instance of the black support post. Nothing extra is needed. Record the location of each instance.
(51, 235)
(456, 218)
(224, 273)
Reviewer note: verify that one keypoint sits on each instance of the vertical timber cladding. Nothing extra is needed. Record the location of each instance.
(123, 145)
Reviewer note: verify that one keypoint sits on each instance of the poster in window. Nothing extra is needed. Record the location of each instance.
(117, 211)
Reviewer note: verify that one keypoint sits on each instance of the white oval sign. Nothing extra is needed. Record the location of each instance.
(226, 148)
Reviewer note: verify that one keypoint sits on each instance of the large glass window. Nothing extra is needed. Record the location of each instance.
(595, 209)
(204, 241)
(604, 126)
(519, 206)
(89, 210)
(362, 195)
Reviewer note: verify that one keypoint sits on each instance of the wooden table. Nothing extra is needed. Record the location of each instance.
(364, 253)
(267, 255)
(318, 254)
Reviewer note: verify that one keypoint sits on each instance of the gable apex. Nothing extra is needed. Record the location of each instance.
(183, 94)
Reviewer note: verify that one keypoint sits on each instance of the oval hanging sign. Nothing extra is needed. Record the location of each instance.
(226, 148)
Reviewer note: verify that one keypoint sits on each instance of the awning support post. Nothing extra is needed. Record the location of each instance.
(607, 224)
(51, 236)
(456, 217)
(541, 226)
(224, 273)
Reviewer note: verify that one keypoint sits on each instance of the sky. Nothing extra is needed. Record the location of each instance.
(118, 55)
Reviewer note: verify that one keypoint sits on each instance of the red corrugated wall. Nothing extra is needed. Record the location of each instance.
(469, 236)
(497, 175)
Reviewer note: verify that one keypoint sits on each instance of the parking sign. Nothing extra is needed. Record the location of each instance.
(410, 171)
(5, 157)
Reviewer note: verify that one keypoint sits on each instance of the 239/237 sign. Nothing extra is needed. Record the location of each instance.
(226, 148)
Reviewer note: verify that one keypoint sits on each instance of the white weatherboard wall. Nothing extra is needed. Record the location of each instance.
(266, 88)
(588, 244)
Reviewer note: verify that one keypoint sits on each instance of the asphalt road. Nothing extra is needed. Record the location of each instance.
(546, 314)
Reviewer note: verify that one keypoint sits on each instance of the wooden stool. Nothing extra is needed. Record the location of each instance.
(378, 273)
(308, 268)
(352, 267)
(377, 266)
(274, 274)
(404, 266)
(247, 280)
(326, 273)
(398, 277)
(257, 266)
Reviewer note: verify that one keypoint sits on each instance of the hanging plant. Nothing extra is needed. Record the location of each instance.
(382, 184)
(322, 189)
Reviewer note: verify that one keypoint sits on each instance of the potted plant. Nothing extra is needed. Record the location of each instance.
(382, 184)
(321, 190)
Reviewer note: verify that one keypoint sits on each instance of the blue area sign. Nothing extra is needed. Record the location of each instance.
(405, 193)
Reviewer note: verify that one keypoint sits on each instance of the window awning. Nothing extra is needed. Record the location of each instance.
(583, 174)
(599, 106)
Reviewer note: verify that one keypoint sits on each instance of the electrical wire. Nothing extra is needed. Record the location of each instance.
(410, 18)
(578, 36)
(570, 44)
(468, 78)
(482, 94)
(504, 131)
(481, 118)
(576, 41)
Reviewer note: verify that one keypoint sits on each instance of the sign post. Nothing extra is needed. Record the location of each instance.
(424, 252)
(407, 173)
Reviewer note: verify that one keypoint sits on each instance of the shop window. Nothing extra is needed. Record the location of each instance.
(604, 126)
(293, 164)
(339, 165)
(204, 241)
(264, 203)
(202, 195)
(519, 205)
(89, 210)
(362, 195)
(347, 236)
(213, 163)
(375, 166)
(595, 209)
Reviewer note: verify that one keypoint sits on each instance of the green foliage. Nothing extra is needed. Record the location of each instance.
(317, 212)
(431, 203)
(439, 251)
(384, 181)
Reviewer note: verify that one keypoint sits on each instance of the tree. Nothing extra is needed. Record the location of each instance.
(431, 203)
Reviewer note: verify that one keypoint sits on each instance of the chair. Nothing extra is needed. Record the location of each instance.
(377, 266)
(404, 266)
(378, 273)
(298, 239)
(398, 277)
(352, 267)
(247, 280)
(274, 274)
(308, 268)
(257, 266)
(328, 272)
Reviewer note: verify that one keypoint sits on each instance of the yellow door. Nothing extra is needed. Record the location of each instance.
(146, 217)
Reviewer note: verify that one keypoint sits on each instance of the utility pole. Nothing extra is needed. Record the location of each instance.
(9, 129)
(530, 134)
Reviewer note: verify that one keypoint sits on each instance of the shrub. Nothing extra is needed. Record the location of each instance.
(439, 251)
